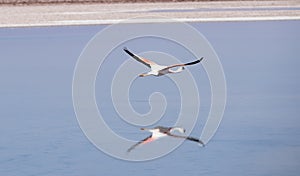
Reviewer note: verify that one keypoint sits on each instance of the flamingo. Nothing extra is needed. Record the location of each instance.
(160, 131)
(159, 70)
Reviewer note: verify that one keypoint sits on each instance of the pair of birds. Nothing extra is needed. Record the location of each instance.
(159, 70)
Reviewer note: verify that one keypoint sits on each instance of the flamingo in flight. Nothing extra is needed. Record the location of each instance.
(159, 70)
(160, 131)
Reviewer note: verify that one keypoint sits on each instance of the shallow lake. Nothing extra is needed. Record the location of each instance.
(259, 133)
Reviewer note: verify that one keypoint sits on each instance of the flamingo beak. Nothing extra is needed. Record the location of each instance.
(141, 75)
(144, 129)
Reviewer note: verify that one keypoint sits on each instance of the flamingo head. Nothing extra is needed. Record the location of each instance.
(146, 74)
(143, 75)
(145, 129)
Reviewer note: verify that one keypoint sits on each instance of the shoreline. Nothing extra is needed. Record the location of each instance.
(112, 13)
(49, 2)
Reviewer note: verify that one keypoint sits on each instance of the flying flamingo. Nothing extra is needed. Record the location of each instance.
(159, 70)
(160, 131)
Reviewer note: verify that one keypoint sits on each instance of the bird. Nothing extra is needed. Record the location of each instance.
(160, 131)
(156, 69)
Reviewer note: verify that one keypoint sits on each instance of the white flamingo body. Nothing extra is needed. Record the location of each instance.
(159, 70)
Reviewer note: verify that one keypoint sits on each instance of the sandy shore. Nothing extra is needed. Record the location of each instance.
(90, 14)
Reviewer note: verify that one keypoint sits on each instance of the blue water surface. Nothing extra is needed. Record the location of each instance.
(259, 134)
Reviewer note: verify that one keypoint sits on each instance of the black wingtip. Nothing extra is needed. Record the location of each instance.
(129, 150)
(200, 142)
(201, 59)
(128, 52)
(194, 62)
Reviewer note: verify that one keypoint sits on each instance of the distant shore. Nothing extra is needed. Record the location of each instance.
(104, 12)
(41, 2)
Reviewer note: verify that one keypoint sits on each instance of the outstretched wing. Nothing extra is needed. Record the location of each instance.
(181, 65)
(144, 141)
(144, 61)
(188, 138)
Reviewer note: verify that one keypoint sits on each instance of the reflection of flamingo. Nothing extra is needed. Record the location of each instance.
(159, 70)
(160, 131)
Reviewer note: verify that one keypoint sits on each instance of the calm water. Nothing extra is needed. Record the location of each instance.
(259, 134)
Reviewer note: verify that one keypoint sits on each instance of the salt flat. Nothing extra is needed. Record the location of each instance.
(90, 14)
